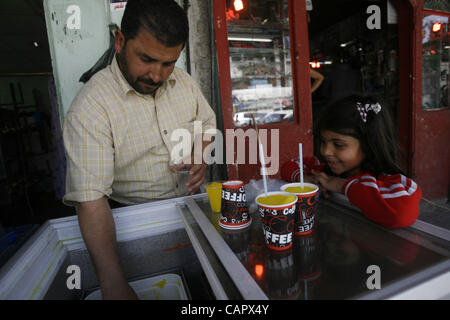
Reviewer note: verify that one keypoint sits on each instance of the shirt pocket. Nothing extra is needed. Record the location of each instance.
(137, 141)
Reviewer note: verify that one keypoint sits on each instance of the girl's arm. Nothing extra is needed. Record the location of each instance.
(390, 200)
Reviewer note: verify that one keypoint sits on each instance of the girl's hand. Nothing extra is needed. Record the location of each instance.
(329, 183)
(309, 178)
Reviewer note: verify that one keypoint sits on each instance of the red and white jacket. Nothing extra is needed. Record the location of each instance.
(390, 200)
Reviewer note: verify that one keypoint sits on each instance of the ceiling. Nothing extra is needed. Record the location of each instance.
(22, 27)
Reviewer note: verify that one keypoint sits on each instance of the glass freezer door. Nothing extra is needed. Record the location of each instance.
(337, 261)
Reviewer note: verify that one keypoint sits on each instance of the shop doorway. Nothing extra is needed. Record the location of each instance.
(31, 170)
(354, 45)
(262, 53)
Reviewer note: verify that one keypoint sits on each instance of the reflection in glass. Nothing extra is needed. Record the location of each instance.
(260, 62)
(332, 262)
(441, 5)
(435, 59)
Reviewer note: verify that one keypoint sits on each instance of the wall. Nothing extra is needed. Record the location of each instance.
(431, 132)
(200, 46)
(76, 50)
(73, 51)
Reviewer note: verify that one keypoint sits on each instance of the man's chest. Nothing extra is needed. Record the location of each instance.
(146, 128)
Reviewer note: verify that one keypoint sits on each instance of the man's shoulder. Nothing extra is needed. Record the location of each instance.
(180, 75)
(100, 84)
(103, 79)
(184, 81)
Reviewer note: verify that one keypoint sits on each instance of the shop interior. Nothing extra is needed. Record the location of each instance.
(260, 62)
(31, 156)
(31, 162)
(352, 57)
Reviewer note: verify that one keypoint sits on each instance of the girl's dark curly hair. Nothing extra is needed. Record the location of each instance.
(377, 136)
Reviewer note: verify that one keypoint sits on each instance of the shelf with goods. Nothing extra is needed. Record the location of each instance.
(255, 66)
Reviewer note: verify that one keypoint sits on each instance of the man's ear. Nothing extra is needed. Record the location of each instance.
(119, 40)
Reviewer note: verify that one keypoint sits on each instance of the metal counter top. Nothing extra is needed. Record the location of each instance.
(339, 260)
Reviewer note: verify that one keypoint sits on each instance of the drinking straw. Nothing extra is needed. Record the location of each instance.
(263, 167)
(300, 154)
(261, 157)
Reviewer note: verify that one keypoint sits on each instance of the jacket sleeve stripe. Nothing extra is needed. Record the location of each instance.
(348, 186)
(386, 192)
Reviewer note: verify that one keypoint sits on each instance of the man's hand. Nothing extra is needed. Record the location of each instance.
(197, 170)
(328, 183)
(119, 291)
(197, 175)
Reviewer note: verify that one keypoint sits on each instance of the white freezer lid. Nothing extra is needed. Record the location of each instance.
(29, 273)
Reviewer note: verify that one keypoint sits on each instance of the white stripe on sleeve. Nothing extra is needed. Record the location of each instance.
(348, 186)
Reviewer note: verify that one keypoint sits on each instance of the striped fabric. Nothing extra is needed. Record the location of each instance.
(118, 141)
(406, 187)
(391, 200)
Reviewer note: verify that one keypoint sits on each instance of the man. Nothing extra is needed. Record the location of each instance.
(118, 128)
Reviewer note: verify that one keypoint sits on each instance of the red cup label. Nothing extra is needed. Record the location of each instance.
(278, 226)
(305, 215)
(234, 209)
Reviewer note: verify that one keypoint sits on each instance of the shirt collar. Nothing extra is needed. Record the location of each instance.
(126, 87)
(123, 83)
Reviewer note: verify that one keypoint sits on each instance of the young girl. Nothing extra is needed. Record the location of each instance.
(358, 145)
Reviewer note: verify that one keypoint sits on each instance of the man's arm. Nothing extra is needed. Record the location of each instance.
(99, 233)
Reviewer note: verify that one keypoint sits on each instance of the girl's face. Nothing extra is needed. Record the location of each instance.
(343, 153)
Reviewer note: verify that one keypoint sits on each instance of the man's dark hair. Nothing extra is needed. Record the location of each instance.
(165, 20)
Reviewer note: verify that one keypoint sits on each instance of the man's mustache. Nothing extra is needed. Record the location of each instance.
(150, 82)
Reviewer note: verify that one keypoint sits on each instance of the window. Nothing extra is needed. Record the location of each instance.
(435, 60)
(260, 60)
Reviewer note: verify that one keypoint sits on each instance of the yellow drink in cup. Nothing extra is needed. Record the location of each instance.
(305, 207)
(214, 191)
(276, 199)
(305, 189)
(277, 210)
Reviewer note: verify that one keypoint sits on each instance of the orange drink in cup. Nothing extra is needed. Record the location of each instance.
(214, 190)
(306, 205)
(277, 210)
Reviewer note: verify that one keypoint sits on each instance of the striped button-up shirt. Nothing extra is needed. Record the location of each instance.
(118, 141)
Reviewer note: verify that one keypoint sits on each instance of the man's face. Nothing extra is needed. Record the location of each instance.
(144, 61)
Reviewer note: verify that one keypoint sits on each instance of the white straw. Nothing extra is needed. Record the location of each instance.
(263, 167)
(300, 154)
